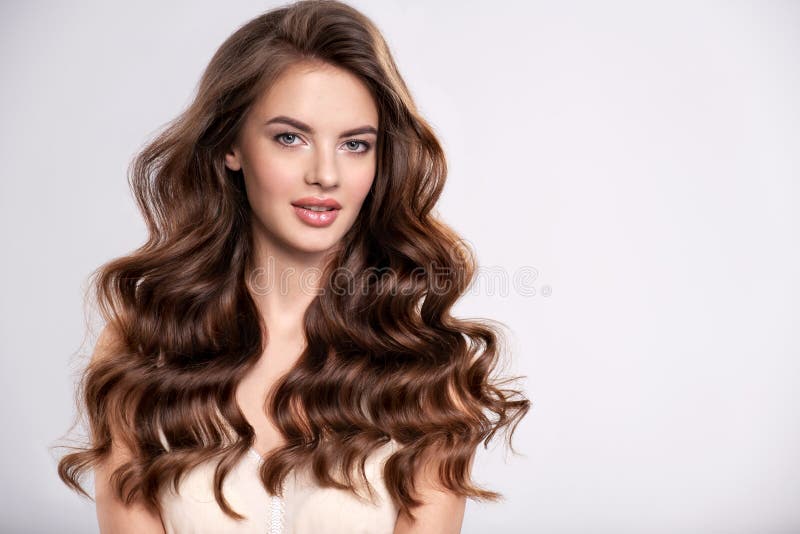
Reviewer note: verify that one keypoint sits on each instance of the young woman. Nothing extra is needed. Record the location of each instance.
(280, 355)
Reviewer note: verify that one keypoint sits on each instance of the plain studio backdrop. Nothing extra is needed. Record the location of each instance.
(626, 172)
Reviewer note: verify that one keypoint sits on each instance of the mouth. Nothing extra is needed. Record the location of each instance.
(313, 208)
(316, 216)
(317, 204)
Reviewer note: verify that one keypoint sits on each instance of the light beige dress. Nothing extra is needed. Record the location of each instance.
(304, 509)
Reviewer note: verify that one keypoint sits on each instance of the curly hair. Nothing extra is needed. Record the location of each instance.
(385, 359)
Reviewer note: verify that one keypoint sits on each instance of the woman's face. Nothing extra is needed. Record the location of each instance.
(310, 137)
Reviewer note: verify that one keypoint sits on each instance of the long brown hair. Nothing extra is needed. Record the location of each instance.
(385, 359)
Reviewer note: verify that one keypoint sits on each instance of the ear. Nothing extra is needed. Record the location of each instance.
(232, 159)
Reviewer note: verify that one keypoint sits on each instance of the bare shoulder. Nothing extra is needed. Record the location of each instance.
(442, 511)
(108, 342)
(113, 515)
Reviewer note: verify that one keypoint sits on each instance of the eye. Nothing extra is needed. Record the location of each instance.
(358, 143)
(284, 135)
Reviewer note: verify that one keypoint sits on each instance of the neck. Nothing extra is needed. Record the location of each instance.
(283, 284)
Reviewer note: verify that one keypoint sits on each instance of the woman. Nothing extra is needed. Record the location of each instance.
(280, 356)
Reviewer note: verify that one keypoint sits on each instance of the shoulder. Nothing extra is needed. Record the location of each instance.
(109, 342)
(442, 511)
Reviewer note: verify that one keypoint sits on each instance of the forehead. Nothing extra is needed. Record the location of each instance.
(321, 95)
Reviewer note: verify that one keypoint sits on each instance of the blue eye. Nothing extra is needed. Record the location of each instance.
(285, 134)
(281, 137)
(358, 142)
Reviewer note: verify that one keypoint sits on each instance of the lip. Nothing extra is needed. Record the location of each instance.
(314, 201)
(317, 219)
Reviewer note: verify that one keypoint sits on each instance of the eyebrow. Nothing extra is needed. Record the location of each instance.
(309, 130)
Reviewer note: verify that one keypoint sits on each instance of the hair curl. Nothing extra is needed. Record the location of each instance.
(385, 359)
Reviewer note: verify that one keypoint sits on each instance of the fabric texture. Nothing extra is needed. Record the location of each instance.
(305, 508)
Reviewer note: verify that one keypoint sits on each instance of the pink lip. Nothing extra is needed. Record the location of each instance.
(316, 218)
(314, 201)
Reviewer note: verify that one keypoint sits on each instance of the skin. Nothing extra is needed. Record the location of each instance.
(281, 164)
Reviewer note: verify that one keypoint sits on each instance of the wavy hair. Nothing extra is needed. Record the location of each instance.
(385, 359)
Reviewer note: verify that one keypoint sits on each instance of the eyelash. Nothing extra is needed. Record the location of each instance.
(366, 145)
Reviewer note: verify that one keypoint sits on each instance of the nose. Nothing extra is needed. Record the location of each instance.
(323, 170)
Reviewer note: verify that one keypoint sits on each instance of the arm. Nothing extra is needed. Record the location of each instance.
(442, 511)
(113, 516)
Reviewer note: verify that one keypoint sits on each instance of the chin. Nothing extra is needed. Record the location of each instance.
(314, 245)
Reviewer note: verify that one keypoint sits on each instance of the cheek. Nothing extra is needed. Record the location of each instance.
(362, 182)
(270, 180)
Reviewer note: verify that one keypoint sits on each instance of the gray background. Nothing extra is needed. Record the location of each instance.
(634, 164)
